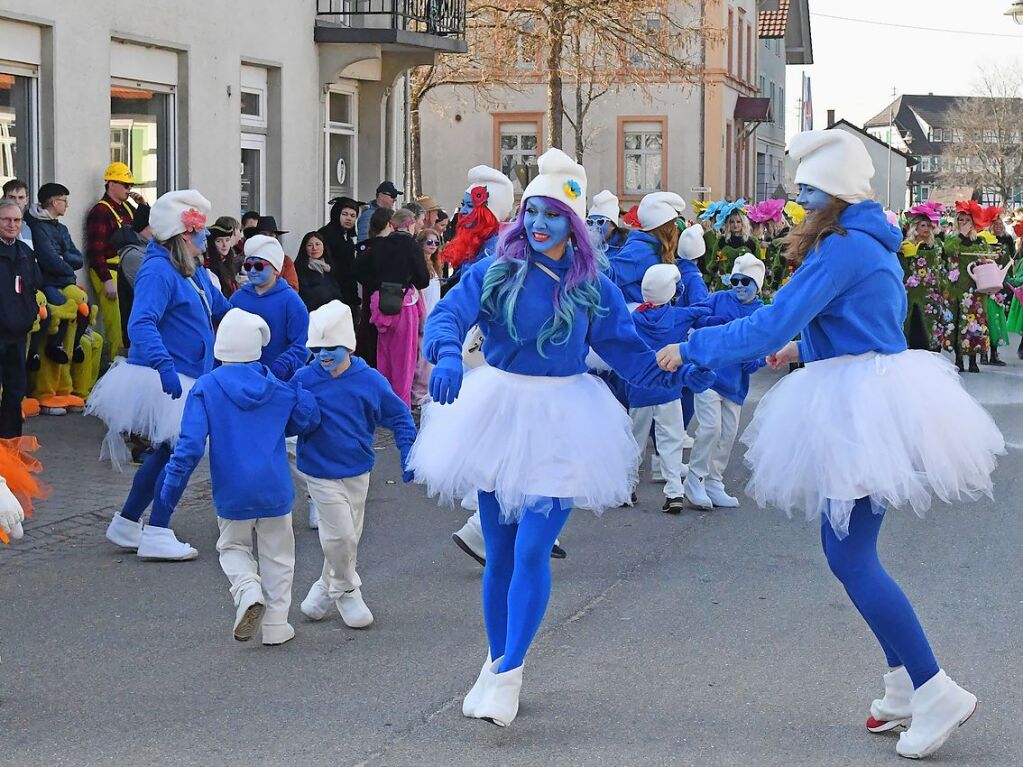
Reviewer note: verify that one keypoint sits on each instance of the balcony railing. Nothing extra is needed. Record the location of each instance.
(440, 18)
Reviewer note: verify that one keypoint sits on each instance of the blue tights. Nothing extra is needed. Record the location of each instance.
(517, 577)
(876, 596)
(145, 489)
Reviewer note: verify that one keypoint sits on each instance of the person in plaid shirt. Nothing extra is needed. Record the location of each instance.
(108, 215)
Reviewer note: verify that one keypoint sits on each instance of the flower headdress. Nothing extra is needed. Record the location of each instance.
(727, 209)
(932, 209)
(768, 210)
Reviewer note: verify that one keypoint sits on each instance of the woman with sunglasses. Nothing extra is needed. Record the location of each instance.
(602, 221)
(867, 425)
(531, 430)
(173, 315)
(272, 298)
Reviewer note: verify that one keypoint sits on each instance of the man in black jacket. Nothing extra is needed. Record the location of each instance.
(397, 258)
(19, 280)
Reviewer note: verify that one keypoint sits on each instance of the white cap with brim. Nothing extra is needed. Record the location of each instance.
(241, 337)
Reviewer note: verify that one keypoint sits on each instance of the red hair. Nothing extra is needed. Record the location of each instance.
(471, 234)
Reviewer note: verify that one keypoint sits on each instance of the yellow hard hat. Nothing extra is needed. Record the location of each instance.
(118, 171)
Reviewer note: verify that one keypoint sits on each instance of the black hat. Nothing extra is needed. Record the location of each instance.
(141, 219)
(269, 224)
(220, 231)
(389, 189)
(345, 202)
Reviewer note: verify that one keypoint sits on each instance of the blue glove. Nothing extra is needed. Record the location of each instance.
(698, 379)
(446, 379)
(170, 383)
(709, 322)
(170, 493)
(751, 367)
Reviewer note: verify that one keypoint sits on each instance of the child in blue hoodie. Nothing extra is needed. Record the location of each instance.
(275, 301)
(718, 409)
(337, 457)
(657, 322)
(245, 412)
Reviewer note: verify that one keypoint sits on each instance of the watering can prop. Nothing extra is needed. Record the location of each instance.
(988, 276)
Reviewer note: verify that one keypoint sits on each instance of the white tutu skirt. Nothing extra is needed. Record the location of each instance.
(528, 439)
(129, 399)
(897, 429)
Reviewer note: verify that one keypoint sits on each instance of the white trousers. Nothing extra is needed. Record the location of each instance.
(717, 424)
(341, 504)
(276, 570)
(668, 433)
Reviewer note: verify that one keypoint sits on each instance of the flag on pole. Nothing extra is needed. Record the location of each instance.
(806, 118)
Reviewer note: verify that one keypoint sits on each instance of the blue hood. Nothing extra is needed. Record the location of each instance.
(657, 326)
(869, 217)
(247, 385)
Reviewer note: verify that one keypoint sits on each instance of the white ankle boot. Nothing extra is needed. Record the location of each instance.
(160, 543)
(716, 492)
(500, 702)
(317, 603)
(471, 702)
(277, 633)
(469, 539)
(353, 610)
(939, 706)
(124, 533)
(696, 493)
(893, 710)
(248, 615)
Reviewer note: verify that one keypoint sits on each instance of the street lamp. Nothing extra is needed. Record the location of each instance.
(1016, 11)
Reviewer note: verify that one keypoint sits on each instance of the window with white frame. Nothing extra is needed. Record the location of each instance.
(517, 150)
(253, 116)
(642, 157)
(142, 134)
(936, 135)
(341, 149)
(19, 124)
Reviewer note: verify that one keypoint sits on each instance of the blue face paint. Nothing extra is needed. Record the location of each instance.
(258, 276)
(467, 205)
(546, 227)
(199, 239)
(812, 198)
(743, 293)
(332, 358)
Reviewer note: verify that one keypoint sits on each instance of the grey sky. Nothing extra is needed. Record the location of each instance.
(857, 65)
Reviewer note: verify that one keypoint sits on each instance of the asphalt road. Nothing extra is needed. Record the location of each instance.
(707, 639)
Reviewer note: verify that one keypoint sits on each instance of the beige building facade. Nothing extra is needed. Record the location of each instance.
(258, 104)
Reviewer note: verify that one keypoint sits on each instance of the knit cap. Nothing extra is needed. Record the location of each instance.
(178, 212)
(833, 161)
(331, 325)
(241, 337)
(660, 282)
(267, 248)
(501, 193)
(561, 178)
(659, 208)
(691, 244)
(606, 204)
(750, 266)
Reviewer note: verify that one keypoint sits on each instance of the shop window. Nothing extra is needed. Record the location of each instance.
(19, 142)
(142, 135)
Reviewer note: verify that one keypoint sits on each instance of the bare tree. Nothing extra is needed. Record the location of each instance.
(986, 133)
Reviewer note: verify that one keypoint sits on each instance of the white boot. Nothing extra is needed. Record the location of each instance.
(500, 701)
(471, 702)
(124, 533)
(469, 539)
(695, 492)
(317, 603)
(161, 543)
(314, 514)
(716, 492)
(893, 710)
(353, 610)
(277, 633)
(248, 614)
(939, 706)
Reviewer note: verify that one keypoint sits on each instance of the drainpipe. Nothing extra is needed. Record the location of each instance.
(703, 96)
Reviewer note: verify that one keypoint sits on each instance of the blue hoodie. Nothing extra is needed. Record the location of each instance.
(170, 327)
(693, 288)
(847, 297)
(352, 405)
(246, 413)
(659, 326)
(610, 332)
(288, 319)
(732, 383)
(627, 267)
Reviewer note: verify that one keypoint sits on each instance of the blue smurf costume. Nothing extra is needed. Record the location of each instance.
(531, 430)
(867, 425)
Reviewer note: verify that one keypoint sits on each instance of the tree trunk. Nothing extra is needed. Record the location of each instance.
(555, 95)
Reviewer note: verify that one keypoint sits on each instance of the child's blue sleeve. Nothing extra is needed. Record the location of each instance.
(395, 415)
(305, 416)
(191, 445)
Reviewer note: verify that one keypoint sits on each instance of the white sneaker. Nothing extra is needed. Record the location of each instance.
(939, 707)
(716, 492)
(893, 710)
(353, 610)
(160, 543)
(469, 539)
(277, 633)
(317, 603)
(124, 533)
(248, 615)
(500, 703)
(695, 492)
(314, 514)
